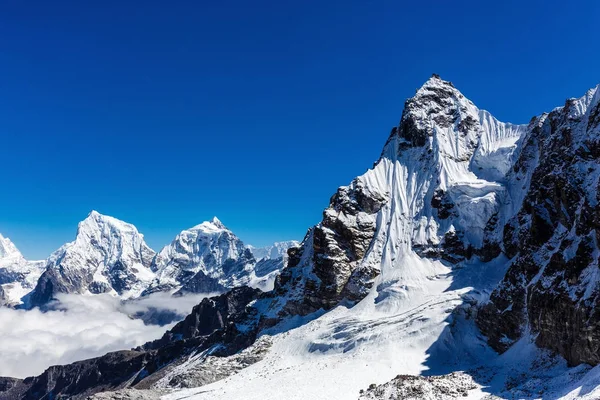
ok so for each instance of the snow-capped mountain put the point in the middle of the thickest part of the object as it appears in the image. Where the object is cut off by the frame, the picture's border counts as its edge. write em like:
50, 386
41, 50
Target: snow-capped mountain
18, 276
274, 251
107, 256
211, 258
202, 259
271, 261
111, 256
465, 225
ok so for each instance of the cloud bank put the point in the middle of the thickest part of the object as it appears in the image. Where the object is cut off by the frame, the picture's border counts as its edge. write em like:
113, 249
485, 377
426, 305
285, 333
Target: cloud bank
80, 327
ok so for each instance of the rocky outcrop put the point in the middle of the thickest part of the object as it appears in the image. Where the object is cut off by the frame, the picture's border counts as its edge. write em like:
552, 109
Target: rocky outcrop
326, 268
206, 368
408, 387
552, 287
211, 315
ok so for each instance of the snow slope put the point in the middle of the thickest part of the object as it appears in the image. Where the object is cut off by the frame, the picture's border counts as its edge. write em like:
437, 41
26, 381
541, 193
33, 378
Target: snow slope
347, 349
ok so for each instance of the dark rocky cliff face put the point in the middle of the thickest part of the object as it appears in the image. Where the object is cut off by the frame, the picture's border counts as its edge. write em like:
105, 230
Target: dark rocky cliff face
552, 286
326, 269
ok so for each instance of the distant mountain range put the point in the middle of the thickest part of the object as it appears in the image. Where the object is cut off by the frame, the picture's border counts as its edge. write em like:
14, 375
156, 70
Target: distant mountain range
111, 256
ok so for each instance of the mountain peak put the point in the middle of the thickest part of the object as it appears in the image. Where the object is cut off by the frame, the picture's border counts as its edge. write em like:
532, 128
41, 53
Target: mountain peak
435, 81
436, 109
94, 214
216, 222
214, 225
96, 221
435, 85
107, 256
7, 248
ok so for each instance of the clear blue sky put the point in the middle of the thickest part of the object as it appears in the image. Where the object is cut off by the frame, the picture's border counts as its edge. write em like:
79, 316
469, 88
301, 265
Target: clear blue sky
164, 114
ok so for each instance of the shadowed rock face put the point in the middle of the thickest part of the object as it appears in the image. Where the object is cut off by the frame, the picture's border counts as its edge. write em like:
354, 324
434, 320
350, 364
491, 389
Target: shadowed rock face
552, 286
201, 283
325, 269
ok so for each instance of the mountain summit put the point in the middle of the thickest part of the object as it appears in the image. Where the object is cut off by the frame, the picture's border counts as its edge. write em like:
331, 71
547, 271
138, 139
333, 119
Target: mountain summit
107, 256
205, 258
8, 249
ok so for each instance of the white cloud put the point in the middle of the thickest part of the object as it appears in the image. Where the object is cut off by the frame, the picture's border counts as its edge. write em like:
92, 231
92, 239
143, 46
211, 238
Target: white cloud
164, 301
81, 327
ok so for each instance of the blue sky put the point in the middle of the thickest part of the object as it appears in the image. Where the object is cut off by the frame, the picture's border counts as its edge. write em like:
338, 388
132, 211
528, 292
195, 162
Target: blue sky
164, 114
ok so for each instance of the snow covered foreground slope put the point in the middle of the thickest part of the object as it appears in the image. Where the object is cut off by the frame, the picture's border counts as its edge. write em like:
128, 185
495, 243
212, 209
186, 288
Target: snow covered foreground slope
390, 282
